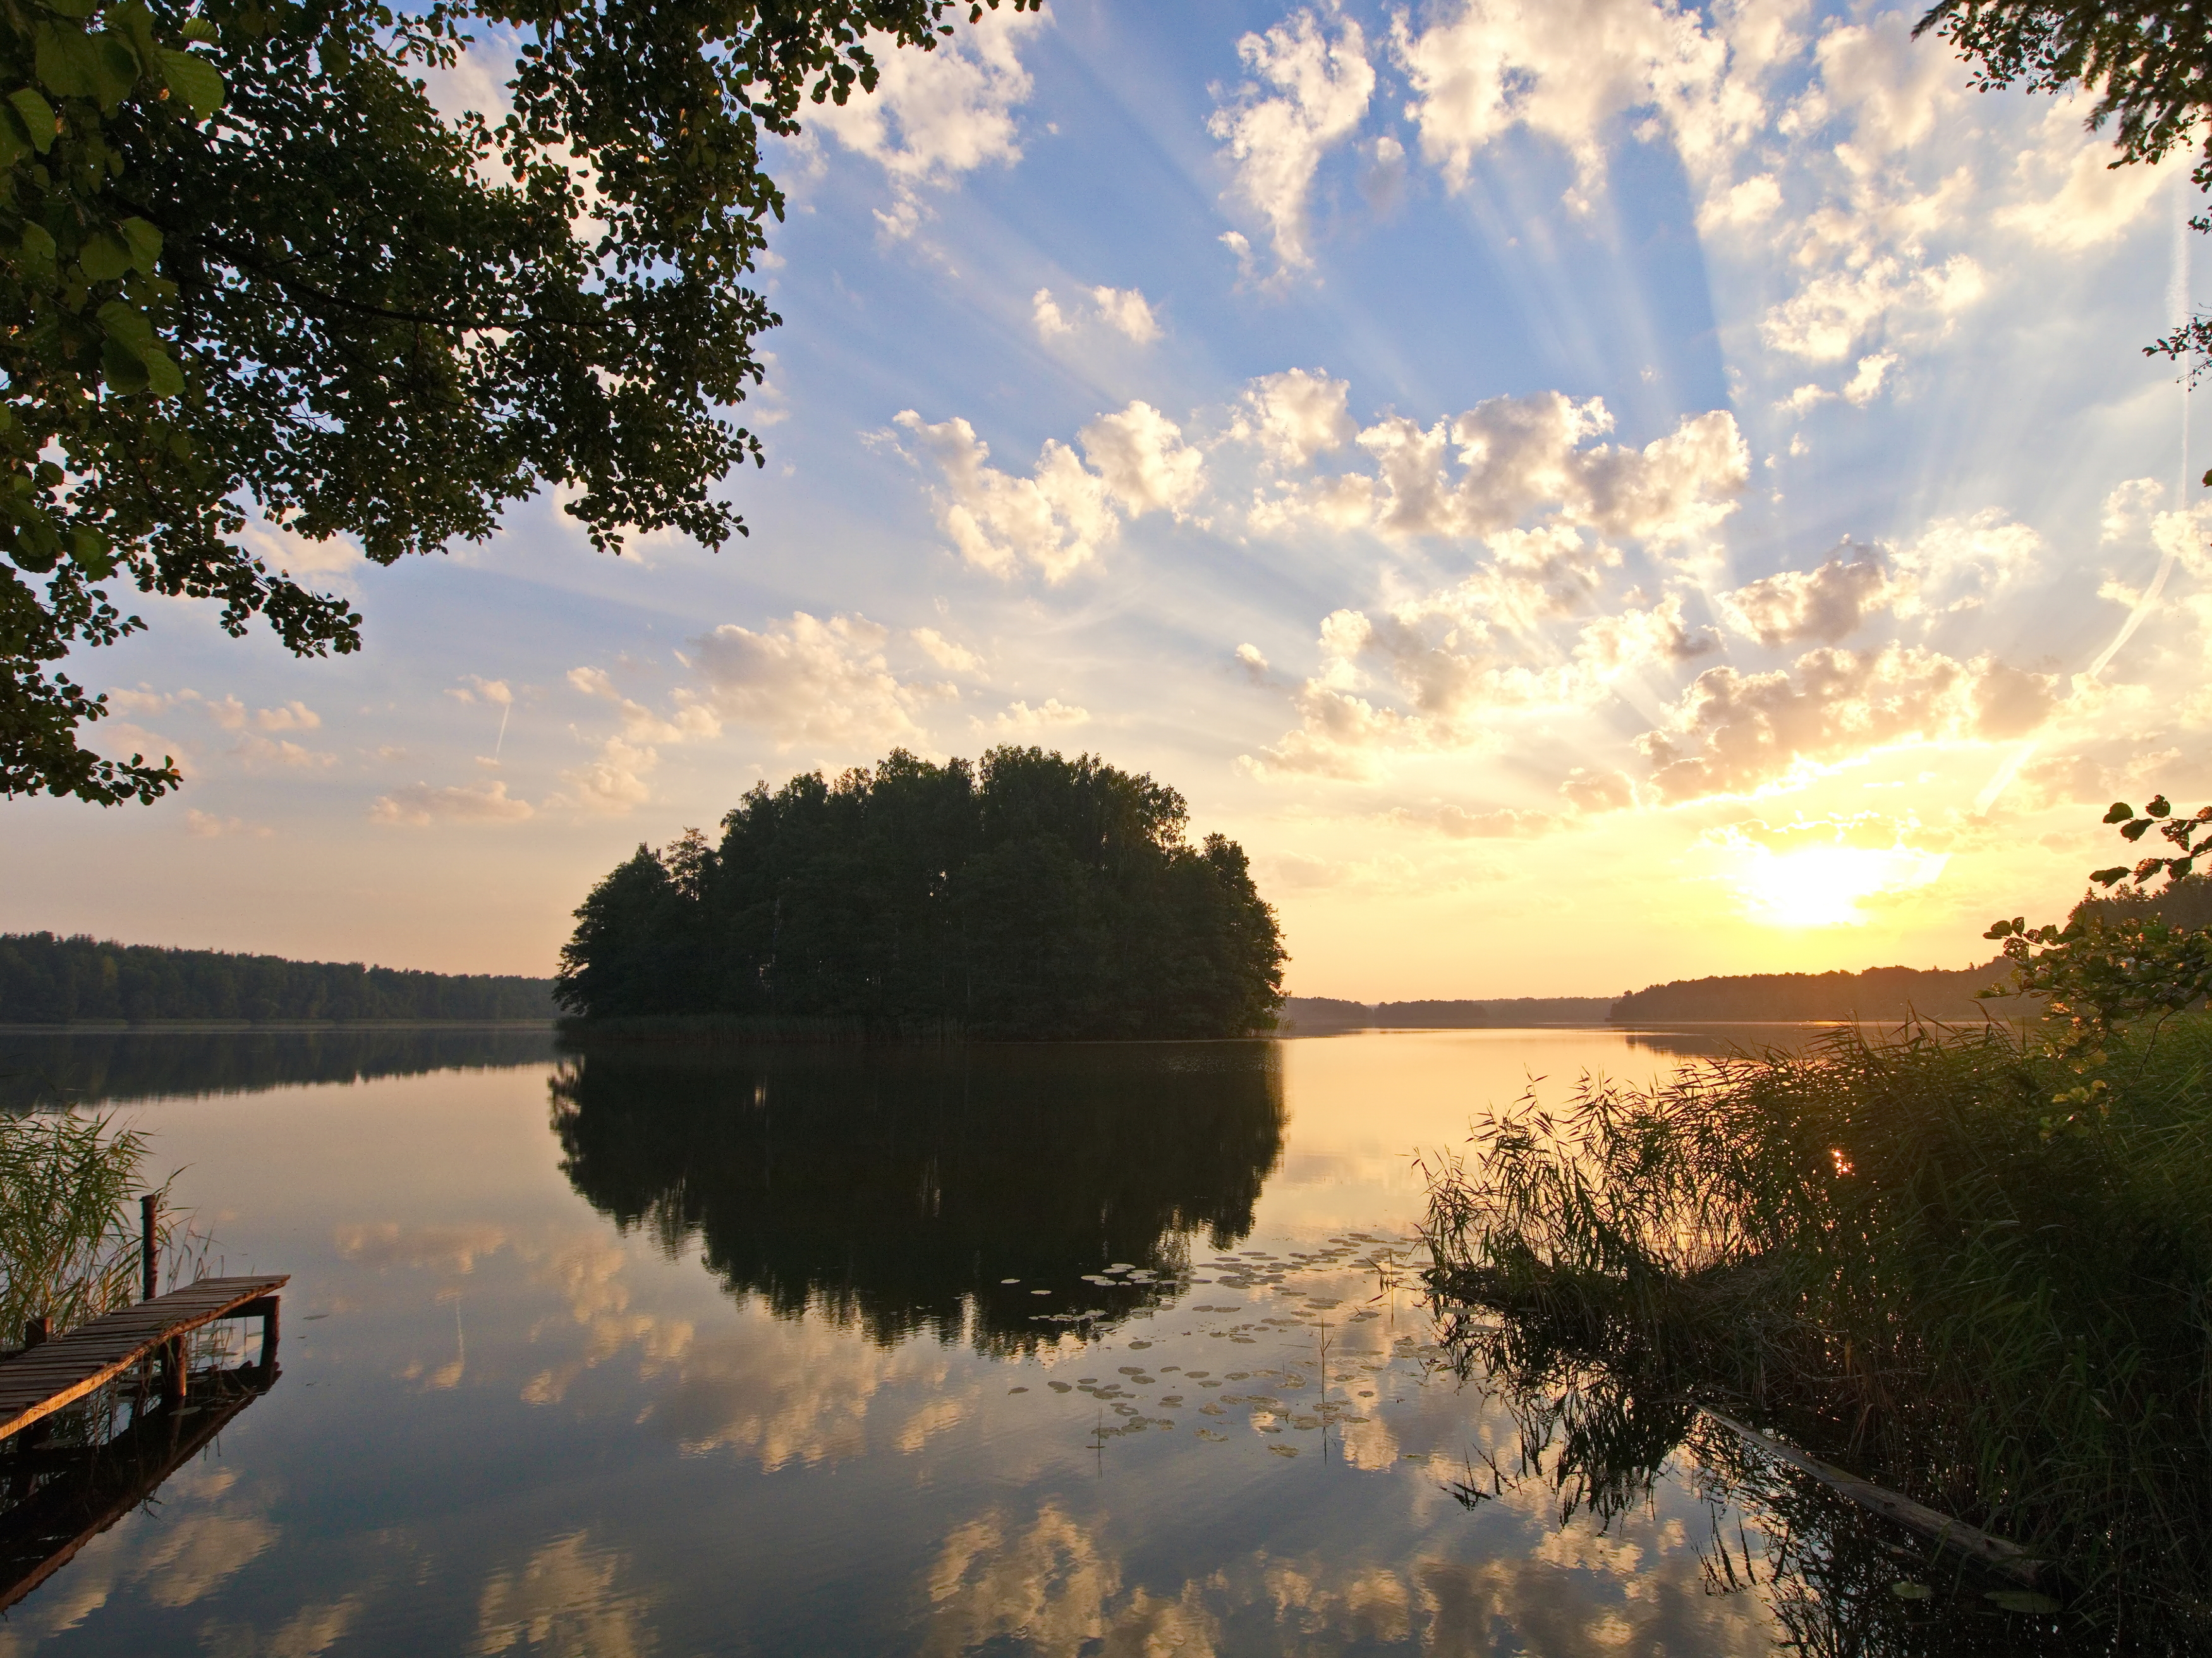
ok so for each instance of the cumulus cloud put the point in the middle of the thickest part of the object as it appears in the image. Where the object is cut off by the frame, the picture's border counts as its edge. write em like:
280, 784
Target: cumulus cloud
1055, 520
952, 657
1292, 416
2077, 198
420, 804
806, 680
1311, 94
936, 115
1731, 732
1589, 793
256, 751
1146, 466
1827, 605
1254, 664
1825, 318
1126, 311
613, 780
1019, 720
474, 687
1488, 469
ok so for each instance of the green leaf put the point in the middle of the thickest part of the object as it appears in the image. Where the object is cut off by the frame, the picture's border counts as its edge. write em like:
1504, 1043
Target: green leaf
2021, 1600
2158, 807
115, 69
163, 378
2118, 812
104, 256
199, 29
71, 8
2105, 877
195, 81
65, 60
126, 325
37, 246
92, 551
123, 369
38, 117
145, 244
1907, 1590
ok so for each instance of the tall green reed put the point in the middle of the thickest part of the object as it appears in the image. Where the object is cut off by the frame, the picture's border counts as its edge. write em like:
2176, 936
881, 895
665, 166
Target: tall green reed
1895, 1251
69, 1241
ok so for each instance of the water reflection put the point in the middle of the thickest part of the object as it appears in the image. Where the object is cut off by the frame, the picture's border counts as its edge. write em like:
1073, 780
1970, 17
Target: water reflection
976, 1194
98, 1066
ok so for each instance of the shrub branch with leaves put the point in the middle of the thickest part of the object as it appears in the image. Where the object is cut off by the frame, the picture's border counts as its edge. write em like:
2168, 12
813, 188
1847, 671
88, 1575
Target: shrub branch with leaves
2105, 970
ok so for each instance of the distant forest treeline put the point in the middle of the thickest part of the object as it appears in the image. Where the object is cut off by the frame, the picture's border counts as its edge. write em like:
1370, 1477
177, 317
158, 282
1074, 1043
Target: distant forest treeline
1309, 1016
1028, 895
1881, 994
48, 980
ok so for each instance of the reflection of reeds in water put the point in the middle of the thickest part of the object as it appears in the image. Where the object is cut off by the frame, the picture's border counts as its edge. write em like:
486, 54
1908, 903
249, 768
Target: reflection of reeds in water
1902, 1255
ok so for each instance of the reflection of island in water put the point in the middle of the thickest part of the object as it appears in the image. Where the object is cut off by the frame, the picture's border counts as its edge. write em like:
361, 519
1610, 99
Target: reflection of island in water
899, 1189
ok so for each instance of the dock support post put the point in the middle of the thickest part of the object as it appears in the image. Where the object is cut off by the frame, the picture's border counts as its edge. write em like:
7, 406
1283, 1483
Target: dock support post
147, 1267
268, 1339
36, 1331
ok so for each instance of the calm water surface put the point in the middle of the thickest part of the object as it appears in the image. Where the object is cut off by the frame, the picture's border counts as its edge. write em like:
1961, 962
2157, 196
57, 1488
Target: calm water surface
1080, 1350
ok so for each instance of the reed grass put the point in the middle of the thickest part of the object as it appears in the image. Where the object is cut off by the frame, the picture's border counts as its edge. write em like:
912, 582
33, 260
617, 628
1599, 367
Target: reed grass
1903, 1254
70, 1241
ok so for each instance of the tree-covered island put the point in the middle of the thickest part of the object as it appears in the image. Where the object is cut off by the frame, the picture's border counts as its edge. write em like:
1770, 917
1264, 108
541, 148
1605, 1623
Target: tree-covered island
1023, 896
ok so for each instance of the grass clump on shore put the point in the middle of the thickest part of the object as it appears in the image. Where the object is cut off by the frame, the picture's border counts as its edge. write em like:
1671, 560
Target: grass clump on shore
1900, 1253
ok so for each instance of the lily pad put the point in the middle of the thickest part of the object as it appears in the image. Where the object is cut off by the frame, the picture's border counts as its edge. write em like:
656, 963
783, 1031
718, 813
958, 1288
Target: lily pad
2023, 1601
1905, 1589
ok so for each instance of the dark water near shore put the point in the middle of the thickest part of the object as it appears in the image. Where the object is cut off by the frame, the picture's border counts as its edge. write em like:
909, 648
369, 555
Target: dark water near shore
1100, 1350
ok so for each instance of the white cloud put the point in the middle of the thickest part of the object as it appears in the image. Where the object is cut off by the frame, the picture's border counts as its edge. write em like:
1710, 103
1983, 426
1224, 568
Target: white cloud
1895, 87
256, 752
293, 554
613, 782
1124, 310
474, 687
1740, 206
952, 657
1590, 793
1865, 386
690, 719
1055, 521
936, 115
1488, 469
1731, 733
1831, 313
1827, 605
1146, 466
1295, 415
807, 680
1020, 719
1276, 138
2080, 199
419, 804
206, 826
1254, 662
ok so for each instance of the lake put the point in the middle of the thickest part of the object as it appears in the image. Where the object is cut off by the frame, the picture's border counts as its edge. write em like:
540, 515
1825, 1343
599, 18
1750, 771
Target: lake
1102, 1350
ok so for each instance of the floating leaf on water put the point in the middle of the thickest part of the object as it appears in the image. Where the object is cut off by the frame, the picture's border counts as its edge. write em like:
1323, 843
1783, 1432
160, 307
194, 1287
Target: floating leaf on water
2024, 1600
1284, 1450
1009, 1280
1060, 1386
1122, 1267
1905, 1589
1018, 1390
1139, 1346
1040, 1292
1416, 1456
1208, 1433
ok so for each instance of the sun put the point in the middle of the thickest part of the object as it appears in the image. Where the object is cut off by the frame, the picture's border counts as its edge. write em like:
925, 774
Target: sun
1824, 885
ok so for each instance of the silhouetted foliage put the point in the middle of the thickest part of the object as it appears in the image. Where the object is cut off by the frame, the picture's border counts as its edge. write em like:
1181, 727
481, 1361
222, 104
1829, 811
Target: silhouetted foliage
1031, 896
48, 980
895, 1188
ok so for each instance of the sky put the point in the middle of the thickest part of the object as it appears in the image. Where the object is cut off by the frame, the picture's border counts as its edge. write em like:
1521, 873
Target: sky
1587, 493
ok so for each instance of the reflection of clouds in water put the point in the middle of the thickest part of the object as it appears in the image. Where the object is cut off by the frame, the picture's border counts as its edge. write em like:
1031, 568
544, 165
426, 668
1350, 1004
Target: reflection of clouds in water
785, 1390
446, 1248
564, 1601
308, 1633
193, 1553
1369, 1444
1051, 1588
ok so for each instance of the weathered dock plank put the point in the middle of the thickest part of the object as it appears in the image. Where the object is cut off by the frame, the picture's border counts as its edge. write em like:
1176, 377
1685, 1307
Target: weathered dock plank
42, 1379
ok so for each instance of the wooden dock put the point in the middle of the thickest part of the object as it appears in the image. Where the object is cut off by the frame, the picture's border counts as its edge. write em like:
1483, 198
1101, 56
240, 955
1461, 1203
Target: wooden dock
41, 1380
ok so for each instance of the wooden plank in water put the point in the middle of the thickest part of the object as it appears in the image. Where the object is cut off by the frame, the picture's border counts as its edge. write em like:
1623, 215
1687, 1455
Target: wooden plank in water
42, 1379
